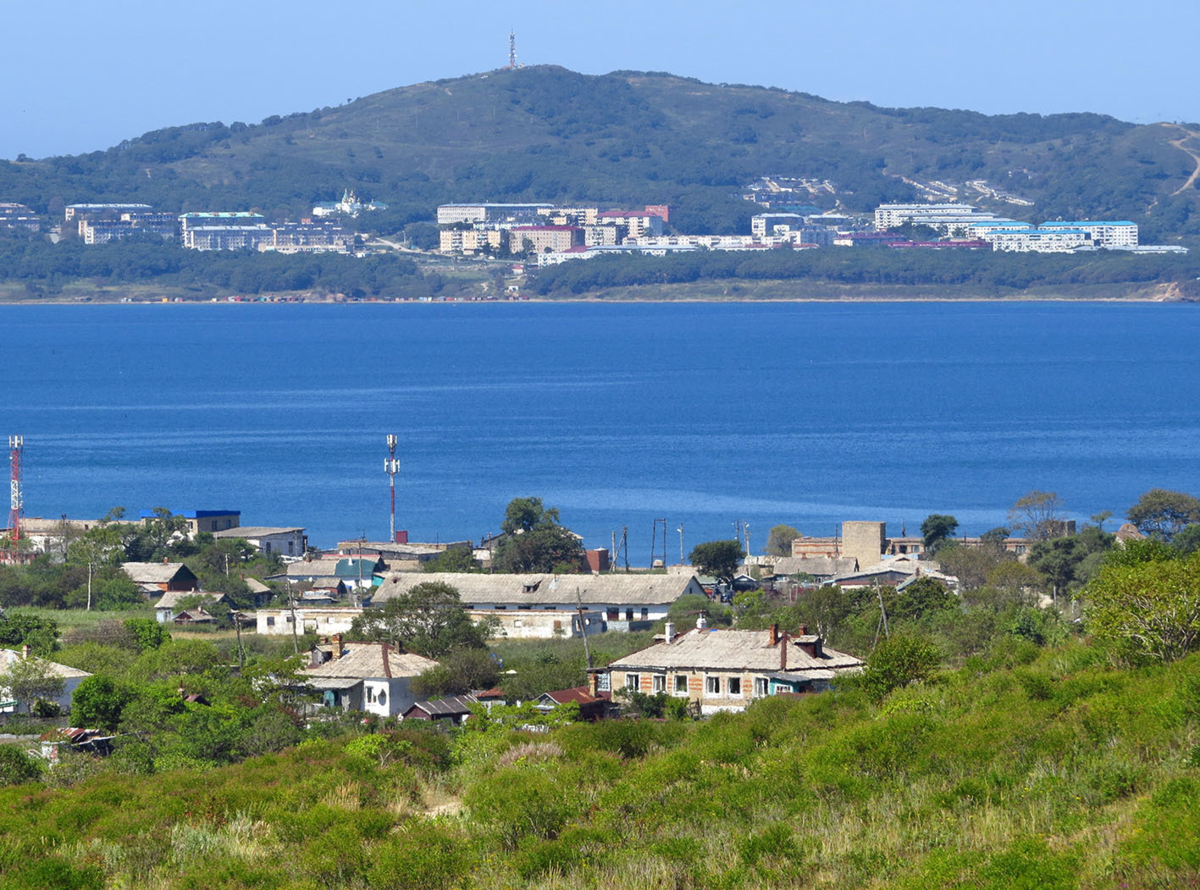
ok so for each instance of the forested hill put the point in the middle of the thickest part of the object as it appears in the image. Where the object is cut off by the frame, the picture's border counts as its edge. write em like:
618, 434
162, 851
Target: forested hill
631, 138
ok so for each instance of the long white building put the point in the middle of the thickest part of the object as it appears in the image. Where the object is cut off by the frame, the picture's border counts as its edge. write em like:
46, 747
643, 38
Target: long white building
1104, 233
889, 216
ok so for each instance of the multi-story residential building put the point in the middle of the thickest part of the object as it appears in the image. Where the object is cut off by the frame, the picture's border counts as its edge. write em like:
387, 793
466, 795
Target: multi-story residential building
307, 236
890, 216
636, 223
454, 214
763, 225
470, 241
541, 239
1038, 241
1104, 233
226, 230
93, 211
101, 229
18, 216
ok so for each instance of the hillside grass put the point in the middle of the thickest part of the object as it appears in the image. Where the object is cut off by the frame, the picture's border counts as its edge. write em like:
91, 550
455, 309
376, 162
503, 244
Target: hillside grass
1026, 769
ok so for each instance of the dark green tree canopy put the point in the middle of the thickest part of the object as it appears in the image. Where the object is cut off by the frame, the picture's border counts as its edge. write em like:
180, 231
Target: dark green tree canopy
1164, 513
936, 528
535, 542
526, 514
427, 619
717, 558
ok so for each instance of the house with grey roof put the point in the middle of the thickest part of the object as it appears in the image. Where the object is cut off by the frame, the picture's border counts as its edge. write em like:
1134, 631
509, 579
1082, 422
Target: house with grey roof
161, 577
289, 541
453, 709
720, 669
542, 605
370, 677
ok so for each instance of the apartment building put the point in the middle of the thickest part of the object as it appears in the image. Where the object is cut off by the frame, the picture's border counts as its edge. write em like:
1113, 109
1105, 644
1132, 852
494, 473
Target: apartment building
18, 216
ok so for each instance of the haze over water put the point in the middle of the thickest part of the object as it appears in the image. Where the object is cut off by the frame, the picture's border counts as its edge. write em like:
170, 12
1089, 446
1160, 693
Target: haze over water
805, 413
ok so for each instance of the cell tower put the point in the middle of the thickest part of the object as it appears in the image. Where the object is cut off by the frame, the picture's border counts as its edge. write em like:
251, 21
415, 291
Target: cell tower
391, 466
16, 445
512, 49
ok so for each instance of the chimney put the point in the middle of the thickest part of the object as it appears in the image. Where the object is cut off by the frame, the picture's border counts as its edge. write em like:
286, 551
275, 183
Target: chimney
337, 651
165, 560
783, 644
701, 622
669, 631
25, 652
803, 630
774, 635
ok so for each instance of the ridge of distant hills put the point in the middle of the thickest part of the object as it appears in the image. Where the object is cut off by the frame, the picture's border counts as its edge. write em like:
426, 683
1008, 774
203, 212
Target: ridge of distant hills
629, 139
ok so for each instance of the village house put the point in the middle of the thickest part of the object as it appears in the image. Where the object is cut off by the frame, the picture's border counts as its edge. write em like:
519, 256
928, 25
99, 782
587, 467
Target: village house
280, 541
168, 608
546, 605
358, 573
70, 676
161, 577
369, 677
591, 707
400, 555
725, 670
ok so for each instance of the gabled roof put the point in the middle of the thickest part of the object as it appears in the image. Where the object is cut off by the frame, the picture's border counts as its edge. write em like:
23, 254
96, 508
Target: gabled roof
171, 598
369, 661
735, 650
257, 586
154, 572
577, 694
450, 706
9, 657
256, 531
534, 589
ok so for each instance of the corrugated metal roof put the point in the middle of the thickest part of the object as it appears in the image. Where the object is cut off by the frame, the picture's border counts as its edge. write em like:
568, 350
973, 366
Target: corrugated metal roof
450, 706
153, 572
9, 657
171, 598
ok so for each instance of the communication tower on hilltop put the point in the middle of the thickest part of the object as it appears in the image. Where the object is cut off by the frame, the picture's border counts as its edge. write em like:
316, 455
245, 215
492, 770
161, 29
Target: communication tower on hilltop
512, 49
391, 466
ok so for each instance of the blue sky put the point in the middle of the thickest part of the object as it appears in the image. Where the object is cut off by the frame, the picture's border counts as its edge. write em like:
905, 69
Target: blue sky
82, 76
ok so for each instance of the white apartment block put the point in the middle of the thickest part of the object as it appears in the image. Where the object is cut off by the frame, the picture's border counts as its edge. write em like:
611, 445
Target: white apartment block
1104, 233
889, 216
1059, 241
453, 214
469, 241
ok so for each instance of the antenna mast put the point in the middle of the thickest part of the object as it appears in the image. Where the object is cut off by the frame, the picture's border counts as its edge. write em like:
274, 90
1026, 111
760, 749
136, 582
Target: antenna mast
391, 466
512, 48
16, 445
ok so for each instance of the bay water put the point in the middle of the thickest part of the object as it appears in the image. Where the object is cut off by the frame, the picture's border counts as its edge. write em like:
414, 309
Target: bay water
701, 414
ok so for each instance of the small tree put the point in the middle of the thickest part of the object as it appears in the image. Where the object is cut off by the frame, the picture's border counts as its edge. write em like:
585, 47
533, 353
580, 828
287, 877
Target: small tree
717, 558
30, 680
779, 540
98, 547
898, 661
427, 619
98, 702
17, 767
1038, 515
936, 528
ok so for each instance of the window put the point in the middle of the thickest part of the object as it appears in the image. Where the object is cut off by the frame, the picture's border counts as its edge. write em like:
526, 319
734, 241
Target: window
629, 614
382, 697
516, 622
658, 683
712, 685
761, 687
633, 681
681, 684
370, 694
735, 685
603, 683
270, 622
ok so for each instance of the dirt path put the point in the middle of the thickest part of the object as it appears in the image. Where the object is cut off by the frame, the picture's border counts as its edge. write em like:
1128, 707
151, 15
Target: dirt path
1194, 155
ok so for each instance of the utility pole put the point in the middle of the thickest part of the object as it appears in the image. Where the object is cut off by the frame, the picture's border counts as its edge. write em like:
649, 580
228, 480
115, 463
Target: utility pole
391, 466
680, 530
292, 603
583, 628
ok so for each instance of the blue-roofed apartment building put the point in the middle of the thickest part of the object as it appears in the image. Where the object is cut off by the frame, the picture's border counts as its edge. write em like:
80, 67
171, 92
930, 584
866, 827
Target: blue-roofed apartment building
203, 520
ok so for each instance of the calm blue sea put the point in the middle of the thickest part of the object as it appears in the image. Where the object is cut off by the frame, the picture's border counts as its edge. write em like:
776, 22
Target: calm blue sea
700, 414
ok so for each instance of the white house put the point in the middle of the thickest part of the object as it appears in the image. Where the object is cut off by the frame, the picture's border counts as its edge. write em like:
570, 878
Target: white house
168, 607
370, 677
70, 676
725, 670
265, 539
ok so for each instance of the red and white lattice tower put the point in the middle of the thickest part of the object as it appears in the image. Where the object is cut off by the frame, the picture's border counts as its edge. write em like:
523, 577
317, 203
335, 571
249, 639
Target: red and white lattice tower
16, 445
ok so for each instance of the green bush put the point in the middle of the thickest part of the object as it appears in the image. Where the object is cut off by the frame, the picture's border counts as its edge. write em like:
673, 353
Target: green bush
17, 767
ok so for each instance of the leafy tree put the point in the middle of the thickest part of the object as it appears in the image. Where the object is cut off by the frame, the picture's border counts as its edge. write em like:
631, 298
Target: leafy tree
936, 528
994, 538
1149, 609
459, 672
427, 619
39, 634
453, 559
1188, 540
924, 596
720, 559
1038, 515
98, 702
547, 548
897, 661
779, 540
526, 514
99, 546
30, 680
1164, 513
151, 540
147, 633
